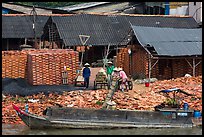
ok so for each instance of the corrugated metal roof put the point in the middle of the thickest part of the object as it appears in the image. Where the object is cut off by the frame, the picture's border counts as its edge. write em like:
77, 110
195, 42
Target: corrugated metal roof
110, 29
22, 26
163, 21
178, 48
25, 9
82, 6
171, 41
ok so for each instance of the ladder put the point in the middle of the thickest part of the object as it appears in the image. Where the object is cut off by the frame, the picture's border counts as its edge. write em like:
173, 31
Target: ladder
51, 33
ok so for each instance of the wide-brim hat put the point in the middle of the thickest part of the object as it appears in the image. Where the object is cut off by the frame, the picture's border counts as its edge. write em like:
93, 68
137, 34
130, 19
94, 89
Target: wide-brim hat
86, 64
119, 69
115, 69
109, 62
101, 70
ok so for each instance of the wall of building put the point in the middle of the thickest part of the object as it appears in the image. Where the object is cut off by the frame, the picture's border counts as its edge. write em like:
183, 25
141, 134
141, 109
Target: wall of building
139, 62
195, 10
11, 44
137, 65
178, 8
174, 68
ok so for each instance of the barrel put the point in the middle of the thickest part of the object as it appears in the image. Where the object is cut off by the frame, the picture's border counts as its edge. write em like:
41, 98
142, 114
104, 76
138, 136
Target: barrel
196, 114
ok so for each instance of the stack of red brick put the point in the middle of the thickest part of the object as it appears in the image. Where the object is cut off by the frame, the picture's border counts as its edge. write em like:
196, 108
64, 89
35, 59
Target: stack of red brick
14, 64
40, 67
46, 67
123, 60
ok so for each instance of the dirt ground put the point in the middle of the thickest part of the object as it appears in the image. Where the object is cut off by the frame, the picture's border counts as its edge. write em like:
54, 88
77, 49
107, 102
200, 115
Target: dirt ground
139, 98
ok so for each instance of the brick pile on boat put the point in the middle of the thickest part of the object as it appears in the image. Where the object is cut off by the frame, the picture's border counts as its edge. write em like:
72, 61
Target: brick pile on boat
144, 99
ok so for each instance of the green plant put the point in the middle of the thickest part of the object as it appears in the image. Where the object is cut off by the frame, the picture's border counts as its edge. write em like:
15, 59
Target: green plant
99, 102
171, 102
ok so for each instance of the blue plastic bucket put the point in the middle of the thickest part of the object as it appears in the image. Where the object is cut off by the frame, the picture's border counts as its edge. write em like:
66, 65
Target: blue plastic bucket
185, 106
196, 113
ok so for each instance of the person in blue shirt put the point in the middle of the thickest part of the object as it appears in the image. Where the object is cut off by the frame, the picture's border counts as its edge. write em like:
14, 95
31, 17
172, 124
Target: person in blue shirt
86, 74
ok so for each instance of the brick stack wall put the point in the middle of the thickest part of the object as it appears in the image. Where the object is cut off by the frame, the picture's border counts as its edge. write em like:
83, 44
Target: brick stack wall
140, 62
40, 67
122, 60
46, 67
14, 64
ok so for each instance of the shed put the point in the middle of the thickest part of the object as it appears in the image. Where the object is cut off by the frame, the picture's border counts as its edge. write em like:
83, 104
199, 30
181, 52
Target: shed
105, 29
18, 27
180, 49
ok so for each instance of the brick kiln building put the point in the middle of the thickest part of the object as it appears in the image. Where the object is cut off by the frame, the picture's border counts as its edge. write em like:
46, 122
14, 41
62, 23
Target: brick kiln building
164, 53
120, 32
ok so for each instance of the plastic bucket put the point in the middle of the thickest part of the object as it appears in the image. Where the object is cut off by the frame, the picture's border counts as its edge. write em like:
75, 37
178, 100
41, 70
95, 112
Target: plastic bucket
196, 113
146, 84
185, 106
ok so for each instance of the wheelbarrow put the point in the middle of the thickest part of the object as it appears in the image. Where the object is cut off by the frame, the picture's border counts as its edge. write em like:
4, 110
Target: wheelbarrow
128, 84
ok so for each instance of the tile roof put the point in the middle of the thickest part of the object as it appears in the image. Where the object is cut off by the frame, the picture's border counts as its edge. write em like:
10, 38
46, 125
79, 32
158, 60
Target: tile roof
111, 29
21, 26
104, 29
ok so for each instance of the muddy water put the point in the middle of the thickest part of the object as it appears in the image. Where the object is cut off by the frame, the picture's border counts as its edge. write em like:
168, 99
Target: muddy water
8, 129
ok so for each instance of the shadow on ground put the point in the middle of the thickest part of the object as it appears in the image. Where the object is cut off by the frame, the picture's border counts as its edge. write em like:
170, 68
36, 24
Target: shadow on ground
20, 87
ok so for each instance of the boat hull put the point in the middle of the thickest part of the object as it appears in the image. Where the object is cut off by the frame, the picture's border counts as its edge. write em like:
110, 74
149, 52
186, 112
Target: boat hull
100, 118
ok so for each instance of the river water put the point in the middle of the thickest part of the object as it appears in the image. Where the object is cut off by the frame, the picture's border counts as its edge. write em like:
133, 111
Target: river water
16, 129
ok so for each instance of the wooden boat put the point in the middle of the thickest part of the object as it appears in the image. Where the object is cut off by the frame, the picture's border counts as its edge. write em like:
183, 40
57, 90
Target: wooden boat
60, 117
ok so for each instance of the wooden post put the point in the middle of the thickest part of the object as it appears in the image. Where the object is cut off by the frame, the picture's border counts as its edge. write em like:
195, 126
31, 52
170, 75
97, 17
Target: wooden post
150, 68
110, 94
194, 67
7, 45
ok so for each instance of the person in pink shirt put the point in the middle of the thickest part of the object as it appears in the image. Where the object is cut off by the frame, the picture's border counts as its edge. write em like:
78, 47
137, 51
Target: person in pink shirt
122, 74
115, 73
124, 77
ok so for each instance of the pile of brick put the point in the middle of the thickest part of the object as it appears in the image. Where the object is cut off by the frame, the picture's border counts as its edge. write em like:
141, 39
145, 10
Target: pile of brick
14, 64
123, 60
40, 67
137, 99
46, 67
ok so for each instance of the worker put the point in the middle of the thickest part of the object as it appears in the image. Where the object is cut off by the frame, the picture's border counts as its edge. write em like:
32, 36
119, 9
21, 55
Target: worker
86, 74
109, 71
115, 73
123, 78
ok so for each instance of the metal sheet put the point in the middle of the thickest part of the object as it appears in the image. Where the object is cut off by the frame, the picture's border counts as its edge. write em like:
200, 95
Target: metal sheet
171, 41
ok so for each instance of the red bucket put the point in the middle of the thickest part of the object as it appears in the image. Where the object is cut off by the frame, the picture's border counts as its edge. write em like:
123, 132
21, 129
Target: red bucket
146, 84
